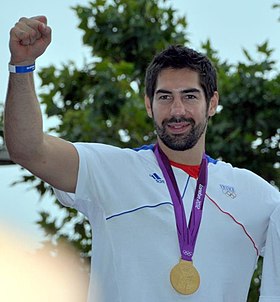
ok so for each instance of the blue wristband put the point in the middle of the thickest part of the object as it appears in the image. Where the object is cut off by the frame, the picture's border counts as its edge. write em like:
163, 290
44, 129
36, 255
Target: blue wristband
21, 69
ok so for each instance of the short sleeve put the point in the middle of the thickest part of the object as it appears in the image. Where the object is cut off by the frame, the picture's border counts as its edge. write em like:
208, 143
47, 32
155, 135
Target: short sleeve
80, 199
270, 286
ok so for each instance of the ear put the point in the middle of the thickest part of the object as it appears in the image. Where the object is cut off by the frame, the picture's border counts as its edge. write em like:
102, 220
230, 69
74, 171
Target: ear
214, 102
148, 106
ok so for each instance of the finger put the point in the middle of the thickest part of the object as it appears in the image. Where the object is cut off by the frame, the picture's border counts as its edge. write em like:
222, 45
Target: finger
33, 23
39, 24
25, 34
27, 31
42, 19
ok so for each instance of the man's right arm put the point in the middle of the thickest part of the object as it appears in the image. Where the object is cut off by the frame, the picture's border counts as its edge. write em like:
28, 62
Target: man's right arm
50, 158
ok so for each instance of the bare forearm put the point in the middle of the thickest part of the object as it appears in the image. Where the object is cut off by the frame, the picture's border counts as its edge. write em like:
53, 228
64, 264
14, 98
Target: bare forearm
50, 158
23, 118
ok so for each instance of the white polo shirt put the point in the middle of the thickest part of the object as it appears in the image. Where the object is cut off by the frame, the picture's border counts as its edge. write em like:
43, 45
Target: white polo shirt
135, 245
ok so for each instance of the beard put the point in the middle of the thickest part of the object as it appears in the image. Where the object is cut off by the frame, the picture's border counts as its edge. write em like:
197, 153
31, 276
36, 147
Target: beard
184, 141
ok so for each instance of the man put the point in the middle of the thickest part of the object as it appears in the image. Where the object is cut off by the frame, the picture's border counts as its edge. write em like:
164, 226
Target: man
170, 223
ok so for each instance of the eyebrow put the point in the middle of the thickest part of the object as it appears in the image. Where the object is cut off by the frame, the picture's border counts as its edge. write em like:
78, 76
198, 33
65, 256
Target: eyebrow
191, 90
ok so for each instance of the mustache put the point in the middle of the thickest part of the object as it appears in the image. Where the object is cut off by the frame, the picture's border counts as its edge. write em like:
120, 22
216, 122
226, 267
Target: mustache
178, 120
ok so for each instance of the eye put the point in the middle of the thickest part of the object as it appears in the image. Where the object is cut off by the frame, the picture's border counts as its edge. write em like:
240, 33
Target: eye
164, 97
190, 97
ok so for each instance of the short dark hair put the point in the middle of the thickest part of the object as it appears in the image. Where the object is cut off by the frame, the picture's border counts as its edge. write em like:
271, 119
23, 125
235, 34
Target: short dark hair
178, 57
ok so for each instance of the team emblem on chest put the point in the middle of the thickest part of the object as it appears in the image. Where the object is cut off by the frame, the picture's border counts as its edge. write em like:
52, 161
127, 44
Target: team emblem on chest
228, 191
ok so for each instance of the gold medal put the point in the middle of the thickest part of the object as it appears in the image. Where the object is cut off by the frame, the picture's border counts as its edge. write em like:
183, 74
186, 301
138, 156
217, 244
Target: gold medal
184, 277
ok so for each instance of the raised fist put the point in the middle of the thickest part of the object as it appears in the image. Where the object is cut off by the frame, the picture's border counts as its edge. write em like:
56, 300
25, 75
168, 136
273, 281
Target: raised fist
29, 38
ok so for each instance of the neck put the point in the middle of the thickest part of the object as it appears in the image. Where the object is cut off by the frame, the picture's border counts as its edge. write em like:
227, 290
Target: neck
188, 157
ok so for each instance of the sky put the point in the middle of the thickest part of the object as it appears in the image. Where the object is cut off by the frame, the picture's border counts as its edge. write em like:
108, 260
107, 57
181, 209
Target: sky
230, 26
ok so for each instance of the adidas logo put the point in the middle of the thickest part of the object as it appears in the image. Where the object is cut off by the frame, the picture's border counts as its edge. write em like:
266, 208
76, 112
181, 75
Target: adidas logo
156, 177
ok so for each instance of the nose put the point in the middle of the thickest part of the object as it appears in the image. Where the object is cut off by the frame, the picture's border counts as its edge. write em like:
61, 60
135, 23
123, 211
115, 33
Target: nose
177, 107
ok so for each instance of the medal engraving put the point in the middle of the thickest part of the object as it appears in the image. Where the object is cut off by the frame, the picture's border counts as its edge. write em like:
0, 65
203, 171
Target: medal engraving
185, 278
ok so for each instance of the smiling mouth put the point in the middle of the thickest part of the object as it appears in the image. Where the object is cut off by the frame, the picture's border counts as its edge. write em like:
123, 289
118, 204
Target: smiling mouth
178, 128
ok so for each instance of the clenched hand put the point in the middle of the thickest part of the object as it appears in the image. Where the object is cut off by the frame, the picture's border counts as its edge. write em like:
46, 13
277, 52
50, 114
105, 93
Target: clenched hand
29, 38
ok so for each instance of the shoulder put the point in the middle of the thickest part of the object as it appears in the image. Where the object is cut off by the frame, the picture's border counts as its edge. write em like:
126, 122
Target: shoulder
92, 147
228, 170
247, 181
95, 151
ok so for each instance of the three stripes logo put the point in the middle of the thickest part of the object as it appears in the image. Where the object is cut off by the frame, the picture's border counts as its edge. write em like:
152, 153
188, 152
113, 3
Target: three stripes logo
157, 178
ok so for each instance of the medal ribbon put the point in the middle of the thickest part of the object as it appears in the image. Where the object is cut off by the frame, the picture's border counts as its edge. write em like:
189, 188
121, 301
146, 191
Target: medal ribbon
187, 234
